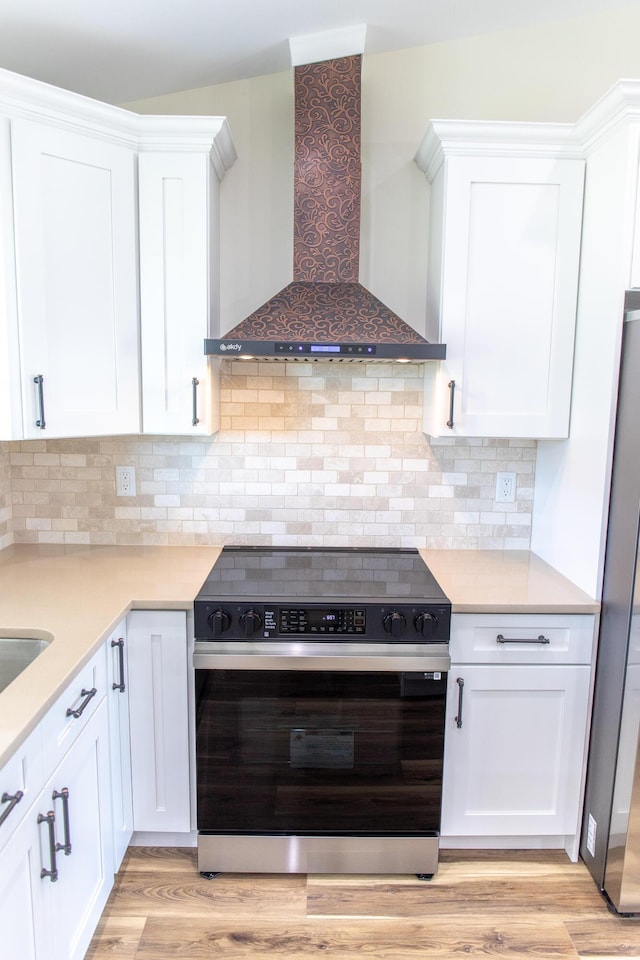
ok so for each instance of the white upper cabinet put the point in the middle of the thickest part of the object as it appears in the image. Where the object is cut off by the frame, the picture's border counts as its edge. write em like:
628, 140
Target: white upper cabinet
504, 252
108, 245
179, 288
75, 244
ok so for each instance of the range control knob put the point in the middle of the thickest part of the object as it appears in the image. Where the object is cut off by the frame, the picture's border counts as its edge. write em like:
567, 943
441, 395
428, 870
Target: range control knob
394, 623
219, 621
250, 622
426, 625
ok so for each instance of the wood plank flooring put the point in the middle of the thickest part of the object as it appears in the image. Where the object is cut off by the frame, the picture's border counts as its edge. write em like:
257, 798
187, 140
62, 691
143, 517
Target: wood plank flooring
532, 904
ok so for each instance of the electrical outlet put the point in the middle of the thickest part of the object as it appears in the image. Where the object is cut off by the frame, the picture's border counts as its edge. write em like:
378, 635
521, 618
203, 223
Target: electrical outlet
125, 481
505, 487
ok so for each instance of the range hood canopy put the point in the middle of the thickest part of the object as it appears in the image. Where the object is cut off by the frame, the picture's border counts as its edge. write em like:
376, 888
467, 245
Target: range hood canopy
325, 313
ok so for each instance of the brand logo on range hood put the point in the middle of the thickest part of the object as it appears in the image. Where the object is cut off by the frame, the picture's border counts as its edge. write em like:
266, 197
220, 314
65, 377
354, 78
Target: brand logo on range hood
230, 347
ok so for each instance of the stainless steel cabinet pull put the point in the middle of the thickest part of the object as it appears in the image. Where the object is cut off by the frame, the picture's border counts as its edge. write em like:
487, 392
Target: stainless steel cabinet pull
540, 639
120, 645
458, 719
452, 392
12, 800
50, 820
194, 386
64, 796
87, 694
39, 380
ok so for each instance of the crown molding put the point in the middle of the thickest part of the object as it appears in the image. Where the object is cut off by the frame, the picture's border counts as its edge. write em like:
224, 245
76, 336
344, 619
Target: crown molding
490, 138
24, 98
186, 134
620, 105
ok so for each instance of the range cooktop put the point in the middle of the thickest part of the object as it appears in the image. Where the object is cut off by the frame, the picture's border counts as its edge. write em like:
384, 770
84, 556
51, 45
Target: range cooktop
315, 573
323, 592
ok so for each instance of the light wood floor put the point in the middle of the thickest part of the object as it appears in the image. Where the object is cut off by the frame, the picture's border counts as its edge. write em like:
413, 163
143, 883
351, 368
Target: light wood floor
480, 904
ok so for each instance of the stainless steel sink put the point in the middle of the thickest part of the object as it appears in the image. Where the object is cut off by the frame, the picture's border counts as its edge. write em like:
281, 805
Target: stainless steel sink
16, 653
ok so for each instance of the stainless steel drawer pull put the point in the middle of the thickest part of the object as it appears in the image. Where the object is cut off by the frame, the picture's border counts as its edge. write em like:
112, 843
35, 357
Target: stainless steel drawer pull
64, 796
120, 645
194, 386
39, 381
12, 800
87, 694
458, 719
540, 639
50, 820
452, 391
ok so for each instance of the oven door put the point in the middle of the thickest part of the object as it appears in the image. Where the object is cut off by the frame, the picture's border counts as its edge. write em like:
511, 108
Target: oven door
318, 753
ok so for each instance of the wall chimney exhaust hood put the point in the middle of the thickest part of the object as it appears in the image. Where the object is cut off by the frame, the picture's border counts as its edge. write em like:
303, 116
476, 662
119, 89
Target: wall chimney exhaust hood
325, 313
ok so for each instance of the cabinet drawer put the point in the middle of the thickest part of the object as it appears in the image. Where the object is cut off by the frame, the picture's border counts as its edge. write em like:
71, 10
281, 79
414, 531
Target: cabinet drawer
73, 709
521, 638
22, 774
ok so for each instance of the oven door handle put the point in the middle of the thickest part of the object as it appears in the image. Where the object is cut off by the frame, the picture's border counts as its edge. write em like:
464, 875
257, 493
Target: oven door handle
229, 656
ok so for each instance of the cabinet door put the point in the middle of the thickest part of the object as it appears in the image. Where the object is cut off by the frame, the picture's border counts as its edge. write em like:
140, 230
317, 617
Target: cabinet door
159, 718
75, 241
514, 765
178, 198
24, 918
10, 396
505, 246
85, 868
119, 742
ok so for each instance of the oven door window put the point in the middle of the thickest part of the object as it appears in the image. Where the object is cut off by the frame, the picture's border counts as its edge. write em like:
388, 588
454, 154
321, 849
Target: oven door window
319, 753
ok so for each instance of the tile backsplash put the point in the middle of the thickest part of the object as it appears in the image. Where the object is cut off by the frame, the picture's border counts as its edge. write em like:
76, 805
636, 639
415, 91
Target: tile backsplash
320, 454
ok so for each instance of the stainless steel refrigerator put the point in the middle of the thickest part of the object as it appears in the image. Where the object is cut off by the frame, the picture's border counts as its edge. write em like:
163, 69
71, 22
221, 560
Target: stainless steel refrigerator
610, 841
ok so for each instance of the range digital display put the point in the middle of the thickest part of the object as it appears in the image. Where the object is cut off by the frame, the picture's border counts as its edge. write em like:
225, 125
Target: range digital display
321, 620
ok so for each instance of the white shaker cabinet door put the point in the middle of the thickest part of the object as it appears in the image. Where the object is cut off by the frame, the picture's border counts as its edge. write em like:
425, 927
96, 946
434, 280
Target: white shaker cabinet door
159, 718
85, 874
24, 917
503, 281
178, 196
119, 741
514, 748
76, 266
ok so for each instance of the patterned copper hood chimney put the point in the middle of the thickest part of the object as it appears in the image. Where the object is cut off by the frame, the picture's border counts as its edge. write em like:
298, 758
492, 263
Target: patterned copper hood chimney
325, 313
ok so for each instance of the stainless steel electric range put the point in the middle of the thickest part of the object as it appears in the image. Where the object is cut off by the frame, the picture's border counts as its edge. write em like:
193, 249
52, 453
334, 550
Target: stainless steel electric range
321, 679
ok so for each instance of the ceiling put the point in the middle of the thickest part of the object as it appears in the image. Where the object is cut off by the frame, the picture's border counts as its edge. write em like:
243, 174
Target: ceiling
123, 50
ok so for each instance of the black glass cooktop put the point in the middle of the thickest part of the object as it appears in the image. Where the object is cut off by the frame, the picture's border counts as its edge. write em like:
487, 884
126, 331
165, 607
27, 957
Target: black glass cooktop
377, 575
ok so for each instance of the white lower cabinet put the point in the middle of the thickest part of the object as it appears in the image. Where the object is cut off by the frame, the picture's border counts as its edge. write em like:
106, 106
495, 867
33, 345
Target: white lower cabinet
57, 859
514, 763
72, 801
22, 903
26, 933
159, 720
516, 728
85, 872
119, 741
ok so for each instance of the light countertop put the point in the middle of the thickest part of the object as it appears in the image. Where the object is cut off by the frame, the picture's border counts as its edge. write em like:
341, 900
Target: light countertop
505, 581
78, 594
